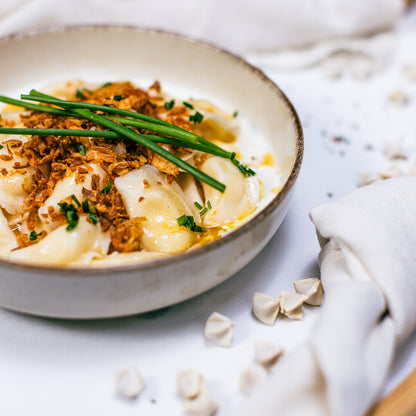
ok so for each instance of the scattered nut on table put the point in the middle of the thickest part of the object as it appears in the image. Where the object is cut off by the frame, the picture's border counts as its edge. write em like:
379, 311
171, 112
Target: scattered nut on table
189, 383
202, 404
311, 288
267, 353
219, 329
251, 378
291, 304
265, 308
129, 382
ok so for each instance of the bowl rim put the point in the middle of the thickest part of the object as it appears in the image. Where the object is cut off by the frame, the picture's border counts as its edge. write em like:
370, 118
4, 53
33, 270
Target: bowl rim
212, 245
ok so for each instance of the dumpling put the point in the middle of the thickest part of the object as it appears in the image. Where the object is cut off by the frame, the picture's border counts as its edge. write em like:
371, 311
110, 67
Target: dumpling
62, 247
14, 183
7, 239
241, 194
189, 187
65, 188
147, 193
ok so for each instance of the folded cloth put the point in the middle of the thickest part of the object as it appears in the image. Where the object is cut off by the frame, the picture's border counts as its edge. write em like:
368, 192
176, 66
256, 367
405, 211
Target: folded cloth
241, 26
368, 264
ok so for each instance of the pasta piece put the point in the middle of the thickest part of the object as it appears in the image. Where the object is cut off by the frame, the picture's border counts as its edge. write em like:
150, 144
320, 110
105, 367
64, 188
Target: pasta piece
190, 188
62, 247
267, 353
14, 183
291, 304
146, 193
121, 259
219, 329
240, 198
189, 383
265, 308
7, 239
251, 378
312, 289
216, 124
65, 188
129, 382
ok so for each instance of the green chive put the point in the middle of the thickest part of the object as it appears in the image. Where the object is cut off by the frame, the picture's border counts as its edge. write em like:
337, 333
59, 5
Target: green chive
189, 222
81, 149
186, 104
117, 98
106, 189
94, 219
196, 118
169, 104
198, 205
106, 84
33, 236
142, 139
76, 200
80, 95
1, 146
235, 114
209, 204
71, 215
203, 212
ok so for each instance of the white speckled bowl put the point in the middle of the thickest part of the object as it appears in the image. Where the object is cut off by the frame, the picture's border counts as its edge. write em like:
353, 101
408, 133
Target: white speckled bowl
102, 53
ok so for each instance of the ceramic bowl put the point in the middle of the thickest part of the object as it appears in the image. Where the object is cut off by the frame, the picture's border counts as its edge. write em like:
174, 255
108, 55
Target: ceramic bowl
102, 53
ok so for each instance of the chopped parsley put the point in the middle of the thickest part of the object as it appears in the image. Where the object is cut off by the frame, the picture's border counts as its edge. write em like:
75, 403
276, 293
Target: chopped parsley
169, 104
186, 104
70, 213
196, 118
189, 222
246, 171
117, 98
33, 236
81, 149
106, 189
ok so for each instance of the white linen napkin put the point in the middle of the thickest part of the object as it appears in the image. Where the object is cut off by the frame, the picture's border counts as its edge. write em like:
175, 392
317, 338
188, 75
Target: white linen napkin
368, 264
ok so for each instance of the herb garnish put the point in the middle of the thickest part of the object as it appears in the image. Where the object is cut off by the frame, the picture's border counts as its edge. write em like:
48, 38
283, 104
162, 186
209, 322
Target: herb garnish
186, 104
196, 118
235, 114
189, 222
106, 84
90, 210
79, 94
106, 189
243, 168
33, 236
202, 210
1, 146
81, 149
117, 98
76, 200
169, 104
70, 213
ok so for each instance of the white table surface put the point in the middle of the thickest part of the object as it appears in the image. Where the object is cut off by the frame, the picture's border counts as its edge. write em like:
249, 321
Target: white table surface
51, 367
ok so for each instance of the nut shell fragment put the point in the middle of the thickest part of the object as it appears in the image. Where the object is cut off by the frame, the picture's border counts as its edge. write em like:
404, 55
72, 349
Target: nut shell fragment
265, 308
201, 405
251, 378
219, 329
312, 289
267, 353
129, 382
291, 304
190, 383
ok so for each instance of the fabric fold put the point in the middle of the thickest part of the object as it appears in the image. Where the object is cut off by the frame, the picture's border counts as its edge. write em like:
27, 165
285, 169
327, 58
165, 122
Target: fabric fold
367, 262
